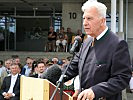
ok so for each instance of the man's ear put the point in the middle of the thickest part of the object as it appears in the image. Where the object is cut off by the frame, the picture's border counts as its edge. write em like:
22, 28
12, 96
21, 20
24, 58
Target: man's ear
103, 21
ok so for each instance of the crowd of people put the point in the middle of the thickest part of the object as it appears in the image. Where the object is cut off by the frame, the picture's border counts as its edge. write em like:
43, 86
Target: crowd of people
35, 68
62, 41
103, 62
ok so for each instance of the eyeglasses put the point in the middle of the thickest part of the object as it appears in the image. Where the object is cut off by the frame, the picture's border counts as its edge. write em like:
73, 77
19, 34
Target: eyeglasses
63, 62
8, 63
29, 63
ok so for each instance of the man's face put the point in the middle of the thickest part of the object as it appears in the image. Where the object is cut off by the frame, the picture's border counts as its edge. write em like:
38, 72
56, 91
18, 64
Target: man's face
8, 64
29, 62
17, 61
92, 22
68, 30
45, 60
41, 67
14, 69
61, 30
51, 29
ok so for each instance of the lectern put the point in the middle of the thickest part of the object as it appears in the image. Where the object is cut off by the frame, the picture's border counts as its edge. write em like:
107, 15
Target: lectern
39, 89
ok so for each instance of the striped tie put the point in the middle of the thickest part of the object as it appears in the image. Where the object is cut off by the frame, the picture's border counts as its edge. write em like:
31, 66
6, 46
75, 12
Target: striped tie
93, 42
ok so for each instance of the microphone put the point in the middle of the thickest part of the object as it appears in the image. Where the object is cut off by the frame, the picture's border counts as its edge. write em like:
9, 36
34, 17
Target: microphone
53, 73
75, 44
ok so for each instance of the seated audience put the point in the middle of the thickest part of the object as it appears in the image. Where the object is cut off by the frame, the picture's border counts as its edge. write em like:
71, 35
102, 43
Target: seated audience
51, 39
28, 66
70, 34
45, 60
34, 69
3, 72
82, 37
2, 68
16, 59
55, 60
41, 68
61, 40
8, 63
49, 63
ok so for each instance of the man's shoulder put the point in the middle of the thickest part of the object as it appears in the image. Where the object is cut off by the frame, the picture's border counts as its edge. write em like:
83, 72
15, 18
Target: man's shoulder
34, 75
7, 77
114, 37
25, 66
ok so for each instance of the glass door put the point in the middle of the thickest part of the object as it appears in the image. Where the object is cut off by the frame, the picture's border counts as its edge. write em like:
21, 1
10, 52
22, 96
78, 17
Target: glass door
8, 30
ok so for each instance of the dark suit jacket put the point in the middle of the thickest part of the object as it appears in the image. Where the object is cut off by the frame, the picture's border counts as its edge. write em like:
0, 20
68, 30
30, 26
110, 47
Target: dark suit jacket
6, 85
105, 67
34, 75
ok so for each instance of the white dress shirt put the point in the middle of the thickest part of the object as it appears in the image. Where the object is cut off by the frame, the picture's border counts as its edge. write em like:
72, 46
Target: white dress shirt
102, 34
2, 69
28, 70
13, 81
76, 83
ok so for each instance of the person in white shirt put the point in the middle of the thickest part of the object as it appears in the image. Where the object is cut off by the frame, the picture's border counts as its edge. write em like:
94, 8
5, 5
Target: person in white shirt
1, 67
28, 66
76, 86
131, 83
10, 89
3, 72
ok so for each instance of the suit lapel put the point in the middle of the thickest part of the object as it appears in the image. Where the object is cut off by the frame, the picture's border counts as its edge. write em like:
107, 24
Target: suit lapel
85, 51
9, 80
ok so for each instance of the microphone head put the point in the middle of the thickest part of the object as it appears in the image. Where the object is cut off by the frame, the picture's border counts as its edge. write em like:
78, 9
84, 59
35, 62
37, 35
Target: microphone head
53, 73
78, 38
77, 42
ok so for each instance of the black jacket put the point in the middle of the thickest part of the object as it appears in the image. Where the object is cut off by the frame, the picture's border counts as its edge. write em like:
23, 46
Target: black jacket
6, 85
106, 67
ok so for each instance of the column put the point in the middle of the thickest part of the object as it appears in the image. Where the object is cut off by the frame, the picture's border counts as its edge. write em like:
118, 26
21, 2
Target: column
120, 15
113, 16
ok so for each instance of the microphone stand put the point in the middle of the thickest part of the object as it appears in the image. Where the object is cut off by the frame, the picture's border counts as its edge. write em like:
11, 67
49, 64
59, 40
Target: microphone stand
60, 82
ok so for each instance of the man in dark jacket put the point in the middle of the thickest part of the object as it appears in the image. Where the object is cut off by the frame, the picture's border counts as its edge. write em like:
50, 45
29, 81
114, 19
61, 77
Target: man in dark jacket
10, 89
103, 62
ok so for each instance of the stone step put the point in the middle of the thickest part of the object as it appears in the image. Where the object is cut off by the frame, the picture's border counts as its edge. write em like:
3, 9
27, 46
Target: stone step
36, 55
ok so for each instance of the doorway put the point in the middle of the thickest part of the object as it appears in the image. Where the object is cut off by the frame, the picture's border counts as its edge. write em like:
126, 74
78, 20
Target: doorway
8, 33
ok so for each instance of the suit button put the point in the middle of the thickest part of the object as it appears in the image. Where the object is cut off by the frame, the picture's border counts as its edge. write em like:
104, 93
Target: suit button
82, 89
98, 66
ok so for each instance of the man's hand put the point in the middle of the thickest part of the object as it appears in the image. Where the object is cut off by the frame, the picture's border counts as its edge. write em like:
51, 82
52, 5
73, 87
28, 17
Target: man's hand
5, 94
8, 95
87, 94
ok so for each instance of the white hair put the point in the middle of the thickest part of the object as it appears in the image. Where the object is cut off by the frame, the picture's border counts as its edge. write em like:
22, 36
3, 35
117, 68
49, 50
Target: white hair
99, 6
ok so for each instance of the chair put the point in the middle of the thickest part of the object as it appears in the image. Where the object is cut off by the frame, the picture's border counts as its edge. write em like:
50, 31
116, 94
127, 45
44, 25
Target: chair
60, 48
49, 46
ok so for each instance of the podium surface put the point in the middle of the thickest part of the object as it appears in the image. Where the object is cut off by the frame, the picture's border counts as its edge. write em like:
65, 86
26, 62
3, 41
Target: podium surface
39, 89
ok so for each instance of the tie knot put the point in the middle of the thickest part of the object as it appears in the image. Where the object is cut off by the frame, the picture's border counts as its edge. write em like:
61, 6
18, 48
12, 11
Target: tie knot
93, 42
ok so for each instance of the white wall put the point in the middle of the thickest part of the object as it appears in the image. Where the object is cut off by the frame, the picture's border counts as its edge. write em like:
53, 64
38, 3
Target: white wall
130, 29
73, 8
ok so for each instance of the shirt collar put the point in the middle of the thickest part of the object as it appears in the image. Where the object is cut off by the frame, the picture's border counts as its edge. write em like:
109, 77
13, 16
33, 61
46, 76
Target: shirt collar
15, 76
102, 34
